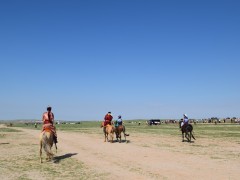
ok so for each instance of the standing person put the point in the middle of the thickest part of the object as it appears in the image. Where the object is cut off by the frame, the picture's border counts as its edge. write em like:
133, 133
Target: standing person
48, 122
108, 119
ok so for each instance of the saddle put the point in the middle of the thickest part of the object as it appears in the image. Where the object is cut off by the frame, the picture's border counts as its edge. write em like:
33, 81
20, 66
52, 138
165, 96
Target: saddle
185, 126
105, 124
47, 129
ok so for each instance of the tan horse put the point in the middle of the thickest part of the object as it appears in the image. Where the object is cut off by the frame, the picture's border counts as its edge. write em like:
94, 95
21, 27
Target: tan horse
108, 130
46, 142
119, 130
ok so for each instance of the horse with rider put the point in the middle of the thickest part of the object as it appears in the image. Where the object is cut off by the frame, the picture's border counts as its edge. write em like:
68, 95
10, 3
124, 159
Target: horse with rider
120, 128
109, 129
48, 136
186, 128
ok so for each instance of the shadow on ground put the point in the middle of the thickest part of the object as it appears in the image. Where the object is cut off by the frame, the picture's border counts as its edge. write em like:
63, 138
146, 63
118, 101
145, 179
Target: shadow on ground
57, 159
188, 141
123, 141
4, 143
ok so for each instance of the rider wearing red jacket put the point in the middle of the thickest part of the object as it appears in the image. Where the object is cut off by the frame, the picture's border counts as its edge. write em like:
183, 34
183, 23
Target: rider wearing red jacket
108, 119
48, 122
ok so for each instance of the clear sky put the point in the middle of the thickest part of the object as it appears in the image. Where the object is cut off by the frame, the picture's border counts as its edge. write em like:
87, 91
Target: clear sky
138, 58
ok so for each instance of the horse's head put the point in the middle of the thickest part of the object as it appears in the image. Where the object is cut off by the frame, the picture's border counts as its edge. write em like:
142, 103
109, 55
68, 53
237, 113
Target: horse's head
180, 122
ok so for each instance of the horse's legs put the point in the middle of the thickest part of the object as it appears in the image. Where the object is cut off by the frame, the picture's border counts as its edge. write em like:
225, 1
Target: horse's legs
56, 147
182, 136
111, 137
116, 135
190, 136
51, 155
125, 136
187, 136
120, 137
40, 151
105, 137
105, 134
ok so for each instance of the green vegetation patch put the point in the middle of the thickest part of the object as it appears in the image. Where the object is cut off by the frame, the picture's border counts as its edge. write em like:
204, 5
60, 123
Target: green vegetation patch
9, 130
200, 130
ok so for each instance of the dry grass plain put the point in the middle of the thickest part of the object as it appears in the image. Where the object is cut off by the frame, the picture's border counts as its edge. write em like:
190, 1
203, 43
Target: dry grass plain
152, 153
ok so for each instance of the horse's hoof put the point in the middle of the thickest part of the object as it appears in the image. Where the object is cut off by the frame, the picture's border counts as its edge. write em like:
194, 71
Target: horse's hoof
182, 140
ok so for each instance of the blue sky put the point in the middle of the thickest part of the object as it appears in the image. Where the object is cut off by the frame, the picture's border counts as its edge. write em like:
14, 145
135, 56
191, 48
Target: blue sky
138, 58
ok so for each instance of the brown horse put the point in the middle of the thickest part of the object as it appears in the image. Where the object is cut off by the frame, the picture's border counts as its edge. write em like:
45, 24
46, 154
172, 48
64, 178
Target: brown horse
118, 130
46, 142
108, 130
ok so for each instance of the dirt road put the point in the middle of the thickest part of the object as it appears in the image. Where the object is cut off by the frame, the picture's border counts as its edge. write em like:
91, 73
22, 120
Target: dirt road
150, 157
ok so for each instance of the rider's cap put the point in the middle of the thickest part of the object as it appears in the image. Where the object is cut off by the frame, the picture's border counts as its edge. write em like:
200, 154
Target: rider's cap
119, 116
185, 115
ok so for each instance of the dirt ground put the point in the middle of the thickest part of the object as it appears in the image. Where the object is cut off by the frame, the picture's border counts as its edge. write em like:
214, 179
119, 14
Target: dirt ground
87, 156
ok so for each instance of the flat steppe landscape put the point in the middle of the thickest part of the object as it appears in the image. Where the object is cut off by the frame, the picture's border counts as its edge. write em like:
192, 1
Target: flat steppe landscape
151, 152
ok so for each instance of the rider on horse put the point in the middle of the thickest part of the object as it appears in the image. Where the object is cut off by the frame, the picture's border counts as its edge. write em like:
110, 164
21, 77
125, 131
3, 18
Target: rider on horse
185, 121
118, 122
48, 123
108, 119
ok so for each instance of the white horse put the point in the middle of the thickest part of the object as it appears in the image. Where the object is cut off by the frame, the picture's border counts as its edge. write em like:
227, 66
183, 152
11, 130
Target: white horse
46, 142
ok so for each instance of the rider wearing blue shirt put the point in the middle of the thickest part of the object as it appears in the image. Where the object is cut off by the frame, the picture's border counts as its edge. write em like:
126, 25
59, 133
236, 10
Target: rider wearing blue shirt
185, 121
119, 121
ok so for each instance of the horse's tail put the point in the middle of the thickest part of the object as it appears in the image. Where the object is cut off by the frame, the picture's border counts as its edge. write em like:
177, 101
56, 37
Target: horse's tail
125, 134
189, 128
192, 131
46, 142
192, 135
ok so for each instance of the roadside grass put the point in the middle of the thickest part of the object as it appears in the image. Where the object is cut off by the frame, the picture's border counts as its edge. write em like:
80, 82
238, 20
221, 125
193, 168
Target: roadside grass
4, 131
226, 131
8, 130
20, 160
200, 130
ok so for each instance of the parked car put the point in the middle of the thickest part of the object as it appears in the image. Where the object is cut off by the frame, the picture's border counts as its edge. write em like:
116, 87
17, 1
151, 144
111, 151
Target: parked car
154, 122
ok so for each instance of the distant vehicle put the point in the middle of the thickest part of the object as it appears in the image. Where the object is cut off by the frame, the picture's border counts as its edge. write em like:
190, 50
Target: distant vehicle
154, 122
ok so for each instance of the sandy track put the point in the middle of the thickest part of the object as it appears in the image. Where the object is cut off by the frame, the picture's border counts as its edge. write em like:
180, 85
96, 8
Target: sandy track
148, 157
